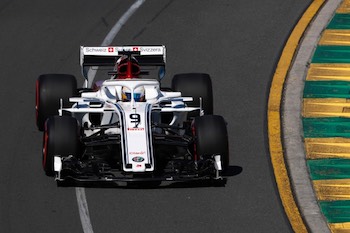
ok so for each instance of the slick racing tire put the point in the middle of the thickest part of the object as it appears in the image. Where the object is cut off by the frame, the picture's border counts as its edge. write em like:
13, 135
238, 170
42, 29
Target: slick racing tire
196, 85
211, 138
61, 138
50, 88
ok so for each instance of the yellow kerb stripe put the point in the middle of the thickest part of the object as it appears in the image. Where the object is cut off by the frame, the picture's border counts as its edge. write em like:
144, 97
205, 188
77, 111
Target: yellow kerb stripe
335, 37
326, 107
332, 190
331, 72
340, 227
327, 148
344, 8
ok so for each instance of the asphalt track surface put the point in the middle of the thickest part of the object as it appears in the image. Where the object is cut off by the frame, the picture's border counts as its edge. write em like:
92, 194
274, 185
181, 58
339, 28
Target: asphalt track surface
237, 42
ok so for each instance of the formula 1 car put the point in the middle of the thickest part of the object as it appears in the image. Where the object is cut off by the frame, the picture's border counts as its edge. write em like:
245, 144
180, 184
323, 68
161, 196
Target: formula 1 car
128, 128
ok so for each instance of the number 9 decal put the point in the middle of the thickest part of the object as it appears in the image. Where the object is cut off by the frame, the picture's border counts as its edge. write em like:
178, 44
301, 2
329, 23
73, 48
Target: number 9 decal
135, 118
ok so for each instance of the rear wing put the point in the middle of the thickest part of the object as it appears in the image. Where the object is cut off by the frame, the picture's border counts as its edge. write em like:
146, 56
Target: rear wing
108, 55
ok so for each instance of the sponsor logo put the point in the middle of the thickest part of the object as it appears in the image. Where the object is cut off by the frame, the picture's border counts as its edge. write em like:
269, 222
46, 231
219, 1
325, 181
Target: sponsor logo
151, 50
94, 50
136, 129
137, 153
135, 49
110, 50
138, 159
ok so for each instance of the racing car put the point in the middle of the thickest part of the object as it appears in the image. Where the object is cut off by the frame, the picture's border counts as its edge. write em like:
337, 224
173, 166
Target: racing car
127, 127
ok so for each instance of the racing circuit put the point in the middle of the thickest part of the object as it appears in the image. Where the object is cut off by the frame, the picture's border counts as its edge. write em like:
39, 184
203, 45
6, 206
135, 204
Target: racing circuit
239, 43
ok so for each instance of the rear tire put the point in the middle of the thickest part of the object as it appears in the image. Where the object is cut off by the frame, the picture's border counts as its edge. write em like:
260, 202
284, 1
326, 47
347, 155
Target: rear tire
61, 137
195, 85
50, 88
211, 137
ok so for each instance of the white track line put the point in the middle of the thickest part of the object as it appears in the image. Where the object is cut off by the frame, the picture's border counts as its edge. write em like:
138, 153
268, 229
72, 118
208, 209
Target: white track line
115, 30
83, 210
80, 192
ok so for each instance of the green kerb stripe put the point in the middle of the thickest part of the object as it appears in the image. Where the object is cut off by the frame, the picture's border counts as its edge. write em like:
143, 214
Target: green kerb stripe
336, 211
340, 21
331, 54
326, 127
325, 169
327, 89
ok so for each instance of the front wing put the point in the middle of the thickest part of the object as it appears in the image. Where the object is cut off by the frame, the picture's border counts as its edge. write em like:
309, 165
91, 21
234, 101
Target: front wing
72, 169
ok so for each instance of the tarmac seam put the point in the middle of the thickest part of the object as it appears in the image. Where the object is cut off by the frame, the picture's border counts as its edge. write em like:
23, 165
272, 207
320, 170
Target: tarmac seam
292, 130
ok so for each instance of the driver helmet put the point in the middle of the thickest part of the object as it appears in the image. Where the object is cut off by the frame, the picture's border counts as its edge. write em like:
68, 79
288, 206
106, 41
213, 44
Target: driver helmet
139, 94
127, 67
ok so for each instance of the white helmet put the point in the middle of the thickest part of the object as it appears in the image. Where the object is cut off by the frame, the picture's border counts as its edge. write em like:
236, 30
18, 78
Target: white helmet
139, 94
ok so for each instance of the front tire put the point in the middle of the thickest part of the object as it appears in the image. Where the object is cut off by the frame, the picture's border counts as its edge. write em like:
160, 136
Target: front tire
61, 138
211, 138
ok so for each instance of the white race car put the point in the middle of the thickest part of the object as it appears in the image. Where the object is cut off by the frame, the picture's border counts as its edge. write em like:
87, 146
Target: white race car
128, 128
